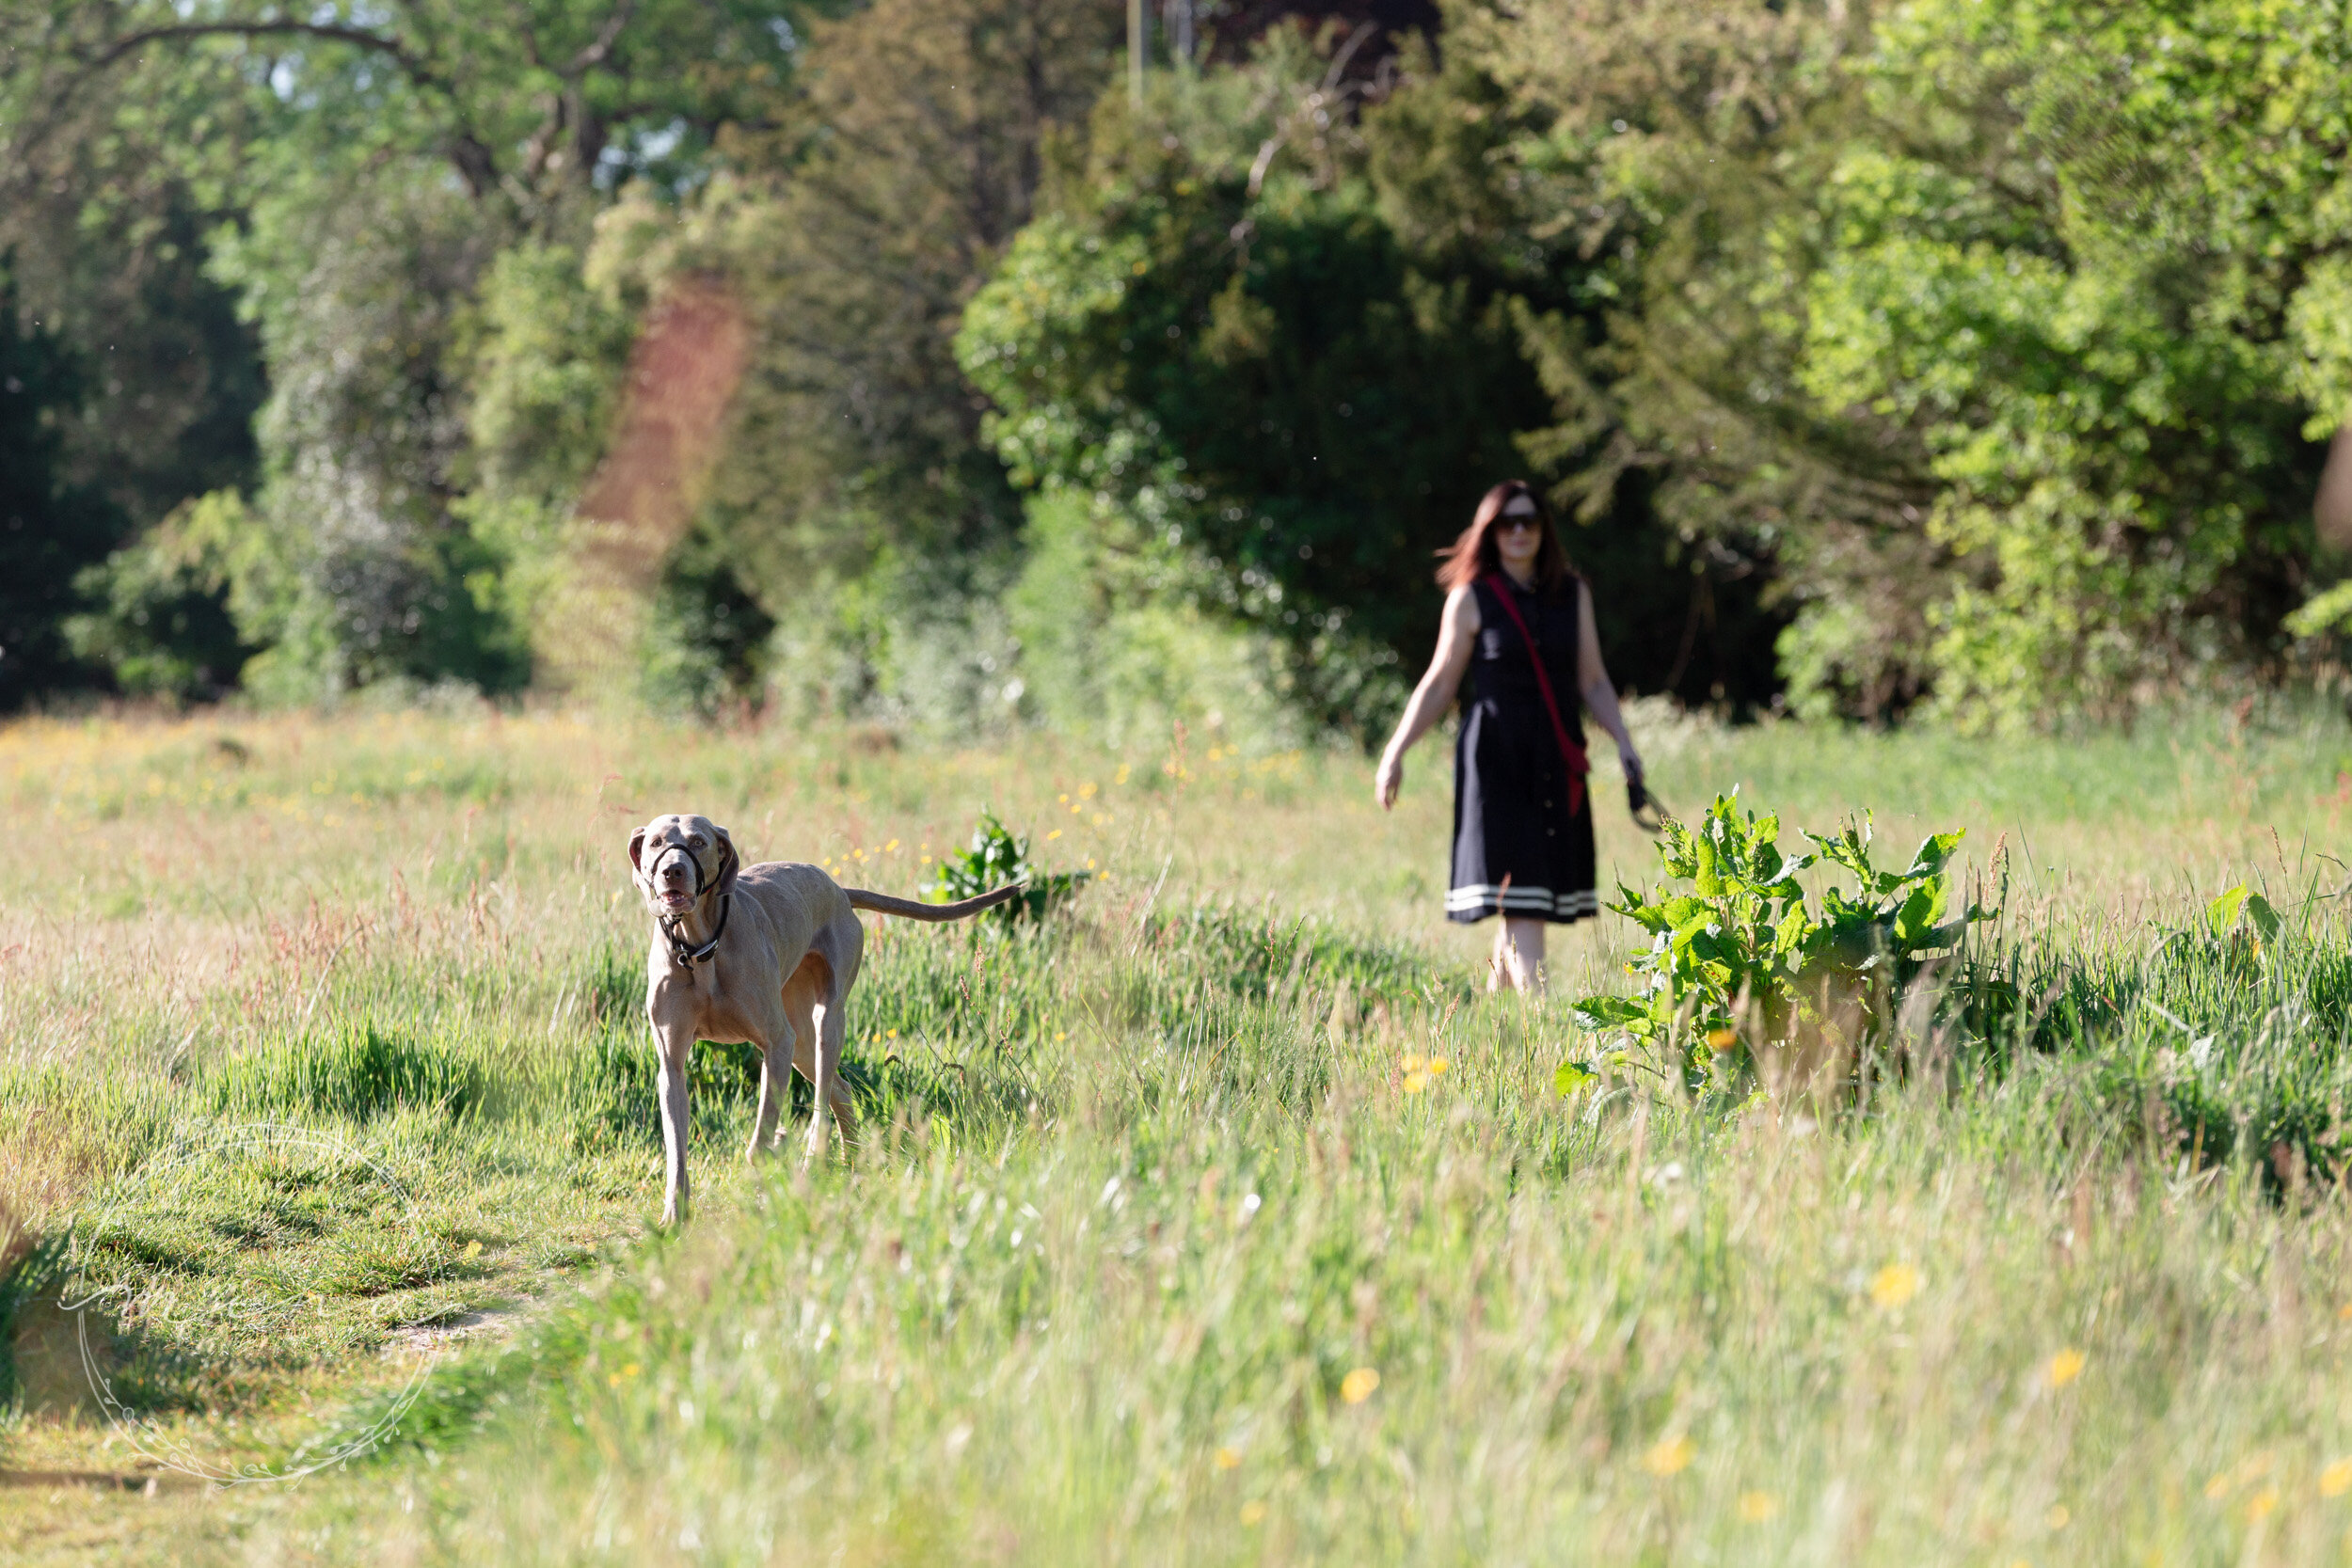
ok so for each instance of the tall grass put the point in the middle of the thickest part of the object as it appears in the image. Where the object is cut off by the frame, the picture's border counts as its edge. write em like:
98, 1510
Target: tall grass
1221, 1219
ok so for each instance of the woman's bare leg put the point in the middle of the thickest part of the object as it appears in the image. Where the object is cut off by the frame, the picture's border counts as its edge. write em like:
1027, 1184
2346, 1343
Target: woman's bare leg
1517, 963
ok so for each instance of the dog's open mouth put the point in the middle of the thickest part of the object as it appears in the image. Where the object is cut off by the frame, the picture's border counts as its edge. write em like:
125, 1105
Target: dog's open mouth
673, 899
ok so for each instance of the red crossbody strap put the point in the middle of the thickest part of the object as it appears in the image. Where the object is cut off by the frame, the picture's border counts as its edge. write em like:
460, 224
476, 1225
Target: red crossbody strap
1570, 753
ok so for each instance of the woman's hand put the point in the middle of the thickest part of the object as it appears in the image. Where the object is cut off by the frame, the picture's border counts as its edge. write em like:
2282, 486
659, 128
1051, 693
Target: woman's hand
1630, 759
1386, 781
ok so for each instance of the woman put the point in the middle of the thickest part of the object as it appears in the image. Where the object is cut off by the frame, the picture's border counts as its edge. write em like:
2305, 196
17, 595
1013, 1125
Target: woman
1519, 623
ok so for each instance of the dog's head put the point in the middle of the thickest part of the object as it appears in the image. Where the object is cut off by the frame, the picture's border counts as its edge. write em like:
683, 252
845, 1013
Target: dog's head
680, 860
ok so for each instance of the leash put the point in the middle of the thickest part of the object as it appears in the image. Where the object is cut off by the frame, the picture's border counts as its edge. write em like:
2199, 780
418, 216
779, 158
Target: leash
1570, 753
686, 955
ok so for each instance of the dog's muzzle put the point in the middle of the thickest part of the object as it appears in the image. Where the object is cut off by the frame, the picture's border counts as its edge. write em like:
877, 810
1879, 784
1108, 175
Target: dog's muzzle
686, 953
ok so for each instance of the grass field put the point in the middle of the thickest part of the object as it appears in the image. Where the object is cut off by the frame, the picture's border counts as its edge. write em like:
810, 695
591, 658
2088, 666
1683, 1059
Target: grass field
1219, 1219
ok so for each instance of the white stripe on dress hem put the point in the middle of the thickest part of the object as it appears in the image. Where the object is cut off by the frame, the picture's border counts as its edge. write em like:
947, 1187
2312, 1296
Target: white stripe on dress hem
1489, 896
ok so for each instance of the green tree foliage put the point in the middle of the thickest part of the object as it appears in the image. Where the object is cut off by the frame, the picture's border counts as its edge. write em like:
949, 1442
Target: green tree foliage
2003, 328
49, 528
860, 505
375, 163
1227, 354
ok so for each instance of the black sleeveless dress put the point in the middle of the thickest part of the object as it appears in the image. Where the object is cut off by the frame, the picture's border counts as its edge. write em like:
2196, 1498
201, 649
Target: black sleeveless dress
1518, 848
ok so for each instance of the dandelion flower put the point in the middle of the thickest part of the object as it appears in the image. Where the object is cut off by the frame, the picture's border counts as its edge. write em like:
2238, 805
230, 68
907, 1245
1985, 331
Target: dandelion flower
2057, 1516
1252, 1514
1358, 1386
1722, 1039
1436, 1066
2336, 1480
1416, 1082
1756, 1507
2065, 1366
2258, 1507
1228, 1460
1670, 1456
1893, 1286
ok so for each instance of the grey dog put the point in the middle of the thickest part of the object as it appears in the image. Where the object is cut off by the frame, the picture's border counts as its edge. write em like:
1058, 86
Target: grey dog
760, 955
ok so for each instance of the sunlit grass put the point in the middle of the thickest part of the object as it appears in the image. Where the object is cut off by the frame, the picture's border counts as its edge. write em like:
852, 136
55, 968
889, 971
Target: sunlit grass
1222, 1219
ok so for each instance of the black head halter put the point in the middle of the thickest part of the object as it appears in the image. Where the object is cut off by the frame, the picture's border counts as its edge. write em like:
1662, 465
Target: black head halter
686, 955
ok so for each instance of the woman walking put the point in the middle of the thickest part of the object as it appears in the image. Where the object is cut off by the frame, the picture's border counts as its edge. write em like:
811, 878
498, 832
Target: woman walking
1519, 623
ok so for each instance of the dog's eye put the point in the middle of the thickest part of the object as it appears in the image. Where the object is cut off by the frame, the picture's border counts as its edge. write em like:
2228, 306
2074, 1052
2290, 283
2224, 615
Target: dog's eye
695, 841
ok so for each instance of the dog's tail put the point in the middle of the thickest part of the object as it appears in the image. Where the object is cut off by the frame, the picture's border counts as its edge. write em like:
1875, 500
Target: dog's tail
909, 909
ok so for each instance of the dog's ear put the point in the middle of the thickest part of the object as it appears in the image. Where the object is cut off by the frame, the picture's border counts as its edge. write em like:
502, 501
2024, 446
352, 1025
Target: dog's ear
730, 862
637, 854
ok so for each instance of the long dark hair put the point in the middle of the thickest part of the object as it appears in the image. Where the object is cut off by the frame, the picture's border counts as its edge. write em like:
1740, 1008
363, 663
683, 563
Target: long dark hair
1473, 555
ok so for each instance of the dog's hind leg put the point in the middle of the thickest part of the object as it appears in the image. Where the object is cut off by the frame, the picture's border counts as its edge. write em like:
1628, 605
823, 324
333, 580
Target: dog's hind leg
803, 990
836, 952
776, 1086
831, 1034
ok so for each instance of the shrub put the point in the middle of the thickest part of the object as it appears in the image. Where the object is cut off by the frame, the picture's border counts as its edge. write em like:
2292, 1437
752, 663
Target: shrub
1746, 959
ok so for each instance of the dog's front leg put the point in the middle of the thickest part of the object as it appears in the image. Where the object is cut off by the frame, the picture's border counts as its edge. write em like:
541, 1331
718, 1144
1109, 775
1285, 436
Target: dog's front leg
674, 1046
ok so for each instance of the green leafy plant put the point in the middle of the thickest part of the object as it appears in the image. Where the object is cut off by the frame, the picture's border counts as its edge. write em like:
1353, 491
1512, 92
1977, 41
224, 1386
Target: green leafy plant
998, 856
1745, 958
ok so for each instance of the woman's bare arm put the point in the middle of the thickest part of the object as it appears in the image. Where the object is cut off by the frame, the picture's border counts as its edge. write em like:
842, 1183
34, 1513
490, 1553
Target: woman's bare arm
1457, 634
1592, 677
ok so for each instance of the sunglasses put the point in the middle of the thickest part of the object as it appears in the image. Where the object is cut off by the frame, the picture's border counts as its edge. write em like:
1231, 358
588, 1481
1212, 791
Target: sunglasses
1510, 520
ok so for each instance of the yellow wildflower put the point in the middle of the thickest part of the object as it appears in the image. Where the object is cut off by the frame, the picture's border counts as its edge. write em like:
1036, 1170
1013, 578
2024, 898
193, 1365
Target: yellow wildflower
1436, 1066
1756, 1507
2336, 1480
1893, 1286
2057, 1516
1358, 1386
1670, 1455
2258, 1507
1228, 1460
1722, 1039
1252, 1514
2066, 1366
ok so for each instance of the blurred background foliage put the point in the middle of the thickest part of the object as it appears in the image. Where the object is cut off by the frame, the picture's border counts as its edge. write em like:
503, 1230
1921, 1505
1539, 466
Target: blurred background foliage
1976, 360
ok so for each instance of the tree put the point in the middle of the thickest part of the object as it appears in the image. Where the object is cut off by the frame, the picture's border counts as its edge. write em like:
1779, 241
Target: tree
49, 529
370, 164
859, 506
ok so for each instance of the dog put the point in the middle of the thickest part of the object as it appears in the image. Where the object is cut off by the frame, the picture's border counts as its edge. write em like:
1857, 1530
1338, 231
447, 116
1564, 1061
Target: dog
760, 955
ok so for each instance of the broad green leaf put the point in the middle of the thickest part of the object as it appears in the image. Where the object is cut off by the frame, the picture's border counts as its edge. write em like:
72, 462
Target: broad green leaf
1707, 875
1610, 1012
2265, 918
1933, 851
1570, 1076
2222, 913
1917, 919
